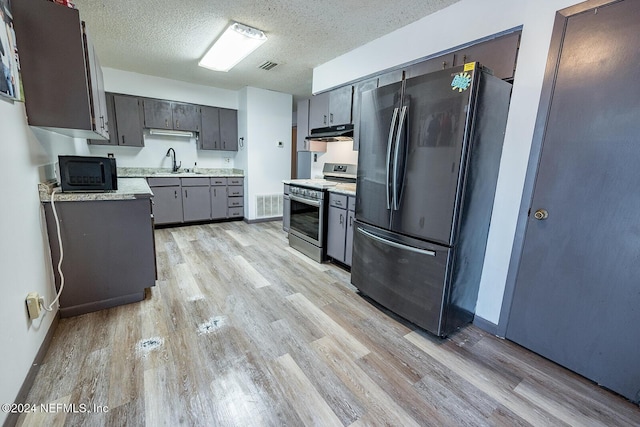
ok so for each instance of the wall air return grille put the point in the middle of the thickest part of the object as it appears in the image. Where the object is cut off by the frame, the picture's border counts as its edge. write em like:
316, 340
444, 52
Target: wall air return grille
268, 205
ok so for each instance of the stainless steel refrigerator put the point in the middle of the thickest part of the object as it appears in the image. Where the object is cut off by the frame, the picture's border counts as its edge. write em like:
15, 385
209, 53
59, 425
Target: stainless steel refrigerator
430, 149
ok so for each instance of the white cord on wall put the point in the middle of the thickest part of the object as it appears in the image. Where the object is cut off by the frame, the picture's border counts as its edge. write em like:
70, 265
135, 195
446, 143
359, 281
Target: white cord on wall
55, 215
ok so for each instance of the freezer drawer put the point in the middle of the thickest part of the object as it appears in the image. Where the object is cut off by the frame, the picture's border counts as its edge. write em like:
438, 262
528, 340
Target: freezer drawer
407, 276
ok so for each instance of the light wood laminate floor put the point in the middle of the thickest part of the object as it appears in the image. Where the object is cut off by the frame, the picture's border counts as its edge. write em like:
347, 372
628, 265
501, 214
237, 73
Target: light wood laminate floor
241, 330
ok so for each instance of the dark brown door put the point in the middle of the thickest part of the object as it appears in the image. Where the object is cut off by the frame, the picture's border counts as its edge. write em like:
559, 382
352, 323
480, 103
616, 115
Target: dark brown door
576, 299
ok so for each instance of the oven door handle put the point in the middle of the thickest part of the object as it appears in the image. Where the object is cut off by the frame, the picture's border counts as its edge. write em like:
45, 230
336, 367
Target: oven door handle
315, 203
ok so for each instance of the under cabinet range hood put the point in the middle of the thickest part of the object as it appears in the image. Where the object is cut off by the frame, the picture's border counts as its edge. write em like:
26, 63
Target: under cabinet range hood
332, 134
171, 132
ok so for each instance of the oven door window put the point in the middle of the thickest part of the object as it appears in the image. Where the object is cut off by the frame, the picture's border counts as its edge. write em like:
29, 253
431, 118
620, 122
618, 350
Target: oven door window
305, 219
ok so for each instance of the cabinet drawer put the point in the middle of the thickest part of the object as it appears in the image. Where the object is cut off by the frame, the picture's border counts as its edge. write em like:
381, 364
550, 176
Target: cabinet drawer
235, 181
218, 181
338, 200
163, 182
236, 212
235, 191
195, 182
234, 202
352, 203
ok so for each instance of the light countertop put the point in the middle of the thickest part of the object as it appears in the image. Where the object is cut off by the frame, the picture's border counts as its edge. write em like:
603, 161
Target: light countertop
344, 188
128, 189
166, 172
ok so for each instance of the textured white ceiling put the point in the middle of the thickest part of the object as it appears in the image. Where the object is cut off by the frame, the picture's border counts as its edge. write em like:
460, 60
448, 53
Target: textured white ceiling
167, 38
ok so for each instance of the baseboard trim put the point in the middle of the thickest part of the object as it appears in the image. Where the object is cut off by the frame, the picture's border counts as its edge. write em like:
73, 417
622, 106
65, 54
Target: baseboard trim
12, 418
255, 221
485, 325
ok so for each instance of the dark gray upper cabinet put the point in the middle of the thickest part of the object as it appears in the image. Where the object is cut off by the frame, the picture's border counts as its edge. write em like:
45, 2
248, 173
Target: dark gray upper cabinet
331, 108
340, 103
128, 118
498, 54
186, 116
319, 111
429, 66
98, 94
390, 77
161, 114
157, 114
59, 70
209, 129
228, 129
302, 125
219, 129
125, 118
111, 124
358, 89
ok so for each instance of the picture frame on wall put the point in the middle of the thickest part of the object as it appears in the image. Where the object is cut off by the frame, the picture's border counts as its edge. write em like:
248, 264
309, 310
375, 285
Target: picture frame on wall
10, 86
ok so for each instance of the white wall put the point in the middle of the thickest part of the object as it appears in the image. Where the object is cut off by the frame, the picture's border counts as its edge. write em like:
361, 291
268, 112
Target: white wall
265, 119
458, 24
25, 264
153, 153
337, 152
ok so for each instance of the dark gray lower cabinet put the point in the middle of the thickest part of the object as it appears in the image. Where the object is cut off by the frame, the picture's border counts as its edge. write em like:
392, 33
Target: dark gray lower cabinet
190, 199
196, 203
218, 200
348, 247
336, 232
109, 252
167, 204
340, 228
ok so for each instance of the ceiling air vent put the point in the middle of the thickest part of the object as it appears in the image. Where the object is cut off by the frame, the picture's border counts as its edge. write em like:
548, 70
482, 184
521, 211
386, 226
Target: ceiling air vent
267, 65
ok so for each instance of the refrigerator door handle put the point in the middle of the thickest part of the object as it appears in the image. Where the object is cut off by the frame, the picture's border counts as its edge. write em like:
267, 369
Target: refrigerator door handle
395, 244
389, 141
396, 202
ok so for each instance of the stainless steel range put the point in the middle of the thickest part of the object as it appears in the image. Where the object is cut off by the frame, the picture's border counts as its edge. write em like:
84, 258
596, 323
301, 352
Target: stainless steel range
309, 209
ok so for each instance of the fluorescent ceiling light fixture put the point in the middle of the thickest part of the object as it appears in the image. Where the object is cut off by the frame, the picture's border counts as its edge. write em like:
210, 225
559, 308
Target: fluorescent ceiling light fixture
235, 44
168, 132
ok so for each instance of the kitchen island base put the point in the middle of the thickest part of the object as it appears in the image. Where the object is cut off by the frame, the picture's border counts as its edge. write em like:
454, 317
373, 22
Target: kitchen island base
109, 252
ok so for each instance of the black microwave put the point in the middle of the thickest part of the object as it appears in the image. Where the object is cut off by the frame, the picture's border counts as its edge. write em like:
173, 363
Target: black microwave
87, 173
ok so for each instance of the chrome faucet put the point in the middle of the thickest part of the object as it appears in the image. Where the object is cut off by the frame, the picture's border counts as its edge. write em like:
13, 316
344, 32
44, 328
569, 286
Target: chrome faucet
174, 165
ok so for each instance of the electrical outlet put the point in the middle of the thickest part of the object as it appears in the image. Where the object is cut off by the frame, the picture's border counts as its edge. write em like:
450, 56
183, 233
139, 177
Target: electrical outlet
280, 144
33, 305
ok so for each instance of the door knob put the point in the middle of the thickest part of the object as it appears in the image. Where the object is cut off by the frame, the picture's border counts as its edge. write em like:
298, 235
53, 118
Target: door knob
541, 214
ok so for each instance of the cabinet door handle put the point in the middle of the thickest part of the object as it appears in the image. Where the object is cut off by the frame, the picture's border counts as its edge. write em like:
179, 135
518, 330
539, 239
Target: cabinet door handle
325, 119
224, 144
331, 118
186, 194
177, 124
175, 194
123, 140
341, 219
351, 222
166, 123
215, 194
